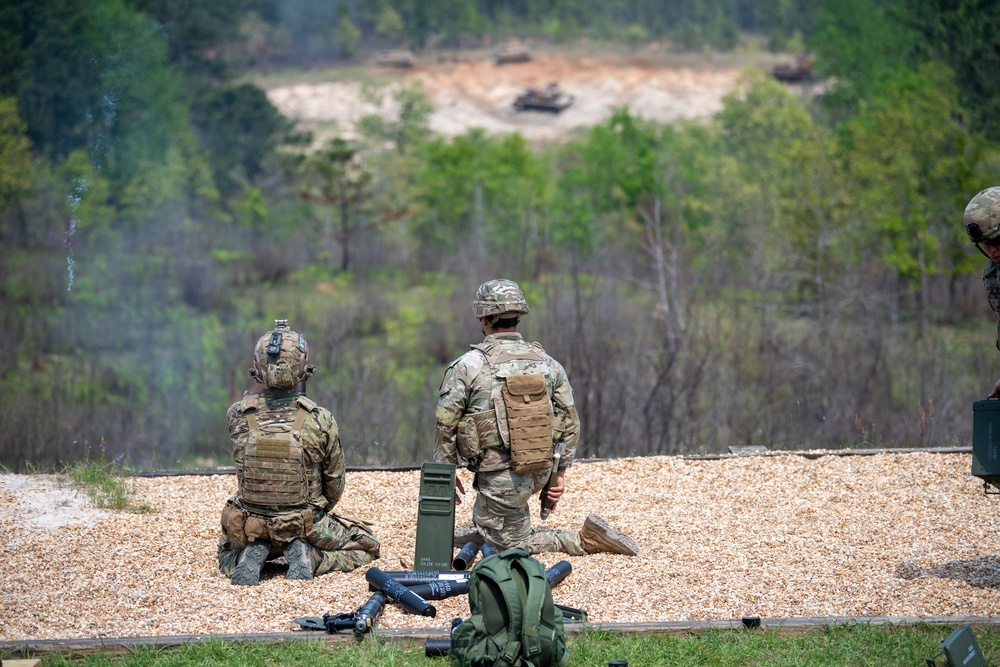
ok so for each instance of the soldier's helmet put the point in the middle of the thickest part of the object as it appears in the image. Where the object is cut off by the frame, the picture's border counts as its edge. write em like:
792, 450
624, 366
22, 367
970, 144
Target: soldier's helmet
496, 297
982, 216
280, 358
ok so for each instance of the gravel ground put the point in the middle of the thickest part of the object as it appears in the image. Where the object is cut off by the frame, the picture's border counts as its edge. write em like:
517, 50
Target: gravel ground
780, 536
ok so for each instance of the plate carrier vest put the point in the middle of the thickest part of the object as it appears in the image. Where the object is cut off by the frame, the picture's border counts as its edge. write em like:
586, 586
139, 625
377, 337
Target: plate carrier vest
275, 473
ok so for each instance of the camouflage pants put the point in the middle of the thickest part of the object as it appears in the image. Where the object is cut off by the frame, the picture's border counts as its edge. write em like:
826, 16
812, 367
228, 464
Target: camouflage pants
345, 545
501, 514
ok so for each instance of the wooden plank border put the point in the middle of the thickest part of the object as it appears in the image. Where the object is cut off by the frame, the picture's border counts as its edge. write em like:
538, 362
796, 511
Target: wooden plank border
413, 637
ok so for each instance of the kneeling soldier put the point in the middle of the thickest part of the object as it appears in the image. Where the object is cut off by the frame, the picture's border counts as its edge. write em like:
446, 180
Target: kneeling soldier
290, 470
501, 409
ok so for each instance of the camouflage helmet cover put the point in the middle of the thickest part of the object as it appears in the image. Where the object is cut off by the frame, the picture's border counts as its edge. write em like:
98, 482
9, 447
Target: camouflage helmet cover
982, 216
496, 297
280, 358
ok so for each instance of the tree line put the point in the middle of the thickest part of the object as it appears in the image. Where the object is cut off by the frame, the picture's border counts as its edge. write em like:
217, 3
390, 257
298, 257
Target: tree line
791, 273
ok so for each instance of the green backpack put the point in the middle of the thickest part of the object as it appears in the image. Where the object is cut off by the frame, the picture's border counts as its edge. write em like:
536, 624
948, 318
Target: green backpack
514, 622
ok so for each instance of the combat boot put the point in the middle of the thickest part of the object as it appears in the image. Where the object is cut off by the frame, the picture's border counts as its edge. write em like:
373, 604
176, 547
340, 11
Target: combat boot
303, 559
596, 536
250, 563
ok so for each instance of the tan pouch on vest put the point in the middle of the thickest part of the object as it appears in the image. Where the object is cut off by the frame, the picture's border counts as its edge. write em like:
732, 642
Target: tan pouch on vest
467, 438
476, 433
233, 520
255, 528
529, 419
288, 527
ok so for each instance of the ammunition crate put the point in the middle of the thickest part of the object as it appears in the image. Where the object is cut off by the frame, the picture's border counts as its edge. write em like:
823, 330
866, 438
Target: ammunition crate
986, 441
435, 517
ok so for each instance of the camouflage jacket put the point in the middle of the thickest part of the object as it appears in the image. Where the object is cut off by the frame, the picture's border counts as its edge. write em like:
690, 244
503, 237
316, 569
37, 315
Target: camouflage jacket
320, 441
991, 280
467, 389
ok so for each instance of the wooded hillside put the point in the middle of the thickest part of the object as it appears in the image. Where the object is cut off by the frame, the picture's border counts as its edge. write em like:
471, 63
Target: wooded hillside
790, 272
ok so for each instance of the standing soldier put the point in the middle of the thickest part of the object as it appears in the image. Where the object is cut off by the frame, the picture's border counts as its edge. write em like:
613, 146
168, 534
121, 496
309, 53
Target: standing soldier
290, 470
982, 224
503, 407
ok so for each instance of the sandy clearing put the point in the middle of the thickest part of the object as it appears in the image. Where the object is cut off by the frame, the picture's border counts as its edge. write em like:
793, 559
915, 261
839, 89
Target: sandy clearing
45, 501
478, 93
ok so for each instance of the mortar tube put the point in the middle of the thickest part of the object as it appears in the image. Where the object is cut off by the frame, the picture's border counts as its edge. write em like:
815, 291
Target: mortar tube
405, 577
399, 593
466, 555
409, 578
558, 572
435, 648
368, 614
439, 590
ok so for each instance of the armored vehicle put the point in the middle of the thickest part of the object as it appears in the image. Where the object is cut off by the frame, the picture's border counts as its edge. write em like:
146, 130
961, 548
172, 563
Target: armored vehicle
797, 72
511, 52
394, 58
550, 98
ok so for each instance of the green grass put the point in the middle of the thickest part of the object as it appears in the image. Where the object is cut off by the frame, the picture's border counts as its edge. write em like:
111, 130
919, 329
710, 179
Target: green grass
830, 646
103, 480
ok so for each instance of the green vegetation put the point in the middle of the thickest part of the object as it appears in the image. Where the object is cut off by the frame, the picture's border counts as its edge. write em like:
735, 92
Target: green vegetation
829, 646
791, 272
103, 480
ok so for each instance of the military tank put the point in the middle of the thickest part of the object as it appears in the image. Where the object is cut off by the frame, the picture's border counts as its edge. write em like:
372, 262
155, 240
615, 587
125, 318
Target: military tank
511, 52
796, 72
397, 58
551, 98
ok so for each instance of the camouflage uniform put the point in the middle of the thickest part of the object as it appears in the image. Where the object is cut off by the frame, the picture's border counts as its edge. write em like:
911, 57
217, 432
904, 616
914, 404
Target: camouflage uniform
345, 543
290, 470
500, 513
991, 280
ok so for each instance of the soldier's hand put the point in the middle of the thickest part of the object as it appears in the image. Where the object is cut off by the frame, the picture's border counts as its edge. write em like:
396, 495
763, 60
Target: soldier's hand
459, 489
557, 489
996, 390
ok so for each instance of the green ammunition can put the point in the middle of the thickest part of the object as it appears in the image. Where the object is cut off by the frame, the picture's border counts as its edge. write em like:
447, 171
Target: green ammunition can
960, 648
435, 517
986, 441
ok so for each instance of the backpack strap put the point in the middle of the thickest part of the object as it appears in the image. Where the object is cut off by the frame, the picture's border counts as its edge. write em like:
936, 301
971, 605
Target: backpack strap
495, 355
499, 571
531, 641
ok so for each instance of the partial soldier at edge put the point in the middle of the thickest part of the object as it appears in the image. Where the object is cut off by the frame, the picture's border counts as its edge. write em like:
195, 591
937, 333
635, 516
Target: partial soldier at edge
501, 410
982, 226
290, 471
